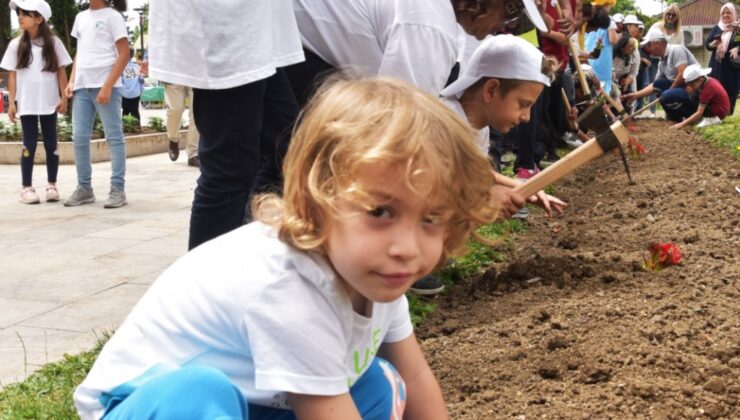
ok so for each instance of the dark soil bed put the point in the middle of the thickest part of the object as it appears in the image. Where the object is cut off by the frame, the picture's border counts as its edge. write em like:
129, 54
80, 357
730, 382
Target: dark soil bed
571, 326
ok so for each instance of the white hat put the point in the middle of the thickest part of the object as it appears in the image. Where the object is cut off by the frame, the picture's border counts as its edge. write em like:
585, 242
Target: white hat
653, 35
693, 72
631, 20
533, 13
618, 18
39, 6
503, 56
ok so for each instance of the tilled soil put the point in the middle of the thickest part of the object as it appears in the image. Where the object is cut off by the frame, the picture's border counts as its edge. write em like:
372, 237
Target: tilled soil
571, 326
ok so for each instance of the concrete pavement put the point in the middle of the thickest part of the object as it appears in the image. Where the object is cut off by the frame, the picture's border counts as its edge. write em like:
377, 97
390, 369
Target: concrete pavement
68, 274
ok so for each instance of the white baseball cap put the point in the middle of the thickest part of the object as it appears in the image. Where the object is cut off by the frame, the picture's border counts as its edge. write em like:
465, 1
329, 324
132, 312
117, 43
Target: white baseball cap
653, 35
39, 6
502, 56
618, 18
693, 72
632, 20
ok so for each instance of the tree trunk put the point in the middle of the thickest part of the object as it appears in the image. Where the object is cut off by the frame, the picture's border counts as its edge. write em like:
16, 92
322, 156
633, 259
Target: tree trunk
5, 31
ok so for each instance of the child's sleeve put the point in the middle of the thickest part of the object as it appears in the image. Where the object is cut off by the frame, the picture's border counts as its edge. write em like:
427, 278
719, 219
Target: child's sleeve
297, 339
10, 59
63, 57
117, 27
400, 327
76, 28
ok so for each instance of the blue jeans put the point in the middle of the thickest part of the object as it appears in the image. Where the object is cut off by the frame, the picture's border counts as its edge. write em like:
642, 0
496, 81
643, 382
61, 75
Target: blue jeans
675, 101
201, 392
84, 108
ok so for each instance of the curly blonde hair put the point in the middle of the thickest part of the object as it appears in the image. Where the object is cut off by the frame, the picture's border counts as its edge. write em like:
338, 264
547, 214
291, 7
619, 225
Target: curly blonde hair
351, 125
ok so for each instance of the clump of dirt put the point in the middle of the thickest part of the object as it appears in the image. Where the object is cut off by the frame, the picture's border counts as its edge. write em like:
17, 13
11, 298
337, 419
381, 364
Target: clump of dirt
571, 326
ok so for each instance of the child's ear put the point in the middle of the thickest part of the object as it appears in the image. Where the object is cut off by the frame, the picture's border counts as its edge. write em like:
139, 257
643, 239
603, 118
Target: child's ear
489, 89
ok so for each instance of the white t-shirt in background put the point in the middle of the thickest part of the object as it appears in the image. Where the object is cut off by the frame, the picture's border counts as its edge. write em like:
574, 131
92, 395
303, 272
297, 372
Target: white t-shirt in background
412, 40
37, 91
97, 32
217, 44
483, 140
272, 318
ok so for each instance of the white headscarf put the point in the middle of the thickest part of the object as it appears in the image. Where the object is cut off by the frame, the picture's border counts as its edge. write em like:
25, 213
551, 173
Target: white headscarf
727, 31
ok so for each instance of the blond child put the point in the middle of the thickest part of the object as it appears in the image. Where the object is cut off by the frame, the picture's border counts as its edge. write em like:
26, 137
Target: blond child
290, 315
498, 88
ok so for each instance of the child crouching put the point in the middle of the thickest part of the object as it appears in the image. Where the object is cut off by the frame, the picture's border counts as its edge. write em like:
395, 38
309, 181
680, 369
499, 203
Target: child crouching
290, 315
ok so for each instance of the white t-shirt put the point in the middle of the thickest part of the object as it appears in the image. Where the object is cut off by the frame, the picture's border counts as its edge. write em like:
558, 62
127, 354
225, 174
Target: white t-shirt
272, 318
483, 140
37, 91
97, 32
413, 40
209, 44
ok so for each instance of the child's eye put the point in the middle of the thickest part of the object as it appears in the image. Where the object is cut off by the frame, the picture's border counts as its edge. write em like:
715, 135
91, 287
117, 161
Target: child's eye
434, 219
380, 212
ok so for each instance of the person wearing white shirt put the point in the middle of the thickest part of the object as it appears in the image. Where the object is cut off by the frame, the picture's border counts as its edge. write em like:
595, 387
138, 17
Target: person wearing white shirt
231, 54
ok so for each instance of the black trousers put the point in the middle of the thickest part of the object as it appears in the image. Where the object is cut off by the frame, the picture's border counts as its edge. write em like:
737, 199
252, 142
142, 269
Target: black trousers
30, 126
240, 132
130, 106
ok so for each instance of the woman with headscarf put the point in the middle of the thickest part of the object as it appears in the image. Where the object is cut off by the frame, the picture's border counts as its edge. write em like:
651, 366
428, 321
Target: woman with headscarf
724, 40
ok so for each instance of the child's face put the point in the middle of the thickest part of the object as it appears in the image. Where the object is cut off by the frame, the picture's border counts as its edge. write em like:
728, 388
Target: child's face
693, 86
27, 20
380, 253
507, 111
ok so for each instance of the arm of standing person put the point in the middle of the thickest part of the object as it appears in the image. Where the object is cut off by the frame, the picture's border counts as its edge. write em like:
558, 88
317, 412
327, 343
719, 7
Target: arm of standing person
115, 73
695, 117
613, 36
61, 107
713, 38
70, 89
11, 96
424, 398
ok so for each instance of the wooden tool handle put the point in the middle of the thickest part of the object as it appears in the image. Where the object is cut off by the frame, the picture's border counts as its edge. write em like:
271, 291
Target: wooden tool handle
574, 160
566, 102
616, 104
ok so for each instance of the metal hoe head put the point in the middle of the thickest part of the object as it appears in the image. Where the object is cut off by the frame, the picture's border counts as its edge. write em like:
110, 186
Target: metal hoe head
594, 119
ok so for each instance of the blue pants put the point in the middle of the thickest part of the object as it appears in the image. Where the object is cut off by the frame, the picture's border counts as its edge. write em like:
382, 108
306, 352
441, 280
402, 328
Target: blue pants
83, 118
200, 392
676, 102
30, 124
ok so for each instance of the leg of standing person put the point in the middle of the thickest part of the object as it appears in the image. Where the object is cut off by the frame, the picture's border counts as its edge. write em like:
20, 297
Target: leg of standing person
525, 165
230, 123
30, 126
110, 117
193, 135
652, 73
174, 98
49, 134
83, 118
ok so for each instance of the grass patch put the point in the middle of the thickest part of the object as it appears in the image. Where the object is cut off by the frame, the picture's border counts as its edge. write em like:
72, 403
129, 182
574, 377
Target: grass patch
725, 135
47, 393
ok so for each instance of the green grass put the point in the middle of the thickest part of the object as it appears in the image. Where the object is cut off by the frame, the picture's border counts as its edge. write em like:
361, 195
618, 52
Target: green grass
47, 394
725, 135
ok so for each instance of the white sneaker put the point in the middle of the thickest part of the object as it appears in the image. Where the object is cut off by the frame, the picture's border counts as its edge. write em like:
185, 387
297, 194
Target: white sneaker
28, 196
572, 141
706, 122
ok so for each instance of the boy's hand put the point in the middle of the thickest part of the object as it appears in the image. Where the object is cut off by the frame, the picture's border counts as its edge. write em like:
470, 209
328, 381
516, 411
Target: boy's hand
69, 91
103, 95
11, 113
548, 203
509, 202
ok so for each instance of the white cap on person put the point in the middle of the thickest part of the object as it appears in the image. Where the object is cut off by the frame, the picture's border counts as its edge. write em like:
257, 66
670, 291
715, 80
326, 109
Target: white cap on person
502, 56
653, 35
39, 6
693, 72
618, 18
631, 20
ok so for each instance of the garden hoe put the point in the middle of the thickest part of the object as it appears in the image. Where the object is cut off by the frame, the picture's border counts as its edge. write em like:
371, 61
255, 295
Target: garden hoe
608, 138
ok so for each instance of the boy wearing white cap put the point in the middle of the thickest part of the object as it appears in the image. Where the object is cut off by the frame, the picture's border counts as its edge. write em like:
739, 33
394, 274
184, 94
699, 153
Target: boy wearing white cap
714, 104
498, 87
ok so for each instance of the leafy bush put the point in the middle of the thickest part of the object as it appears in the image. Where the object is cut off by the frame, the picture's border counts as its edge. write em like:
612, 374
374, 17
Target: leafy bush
725, 134
131, 124
157, 124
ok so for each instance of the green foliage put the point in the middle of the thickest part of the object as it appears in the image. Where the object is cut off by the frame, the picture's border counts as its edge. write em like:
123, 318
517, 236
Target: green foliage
131, 124
157, 124
64, 129
725, 135
47, 394
98, 129
419, 308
